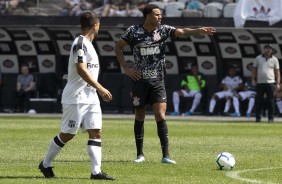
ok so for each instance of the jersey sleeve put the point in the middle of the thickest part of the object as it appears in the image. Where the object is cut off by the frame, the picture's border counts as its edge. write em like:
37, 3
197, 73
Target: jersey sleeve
79, 51
128, 35
170, 30
277, 67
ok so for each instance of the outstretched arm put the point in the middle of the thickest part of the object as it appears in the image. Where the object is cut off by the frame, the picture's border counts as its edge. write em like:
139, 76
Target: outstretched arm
184, 32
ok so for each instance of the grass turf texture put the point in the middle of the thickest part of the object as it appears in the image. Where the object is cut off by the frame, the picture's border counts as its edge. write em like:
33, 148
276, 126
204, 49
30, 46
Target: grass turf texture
193, 144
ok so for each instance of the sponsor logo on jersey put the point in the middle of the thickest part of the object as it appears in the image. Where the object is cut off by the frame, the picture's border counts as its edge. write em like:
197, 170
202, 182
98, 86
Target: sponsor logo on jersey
149, 74
92, 65
149, 51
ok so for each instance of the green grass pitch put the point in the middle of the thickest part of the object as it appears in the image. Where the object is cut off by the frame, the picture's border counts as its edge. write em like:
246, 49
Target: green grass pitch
194, 144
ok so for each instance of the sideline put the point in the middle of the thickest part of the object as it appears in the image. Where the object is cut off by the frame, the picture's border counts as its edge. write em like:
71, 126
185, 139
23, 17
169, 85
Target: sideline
151, 117
235, 174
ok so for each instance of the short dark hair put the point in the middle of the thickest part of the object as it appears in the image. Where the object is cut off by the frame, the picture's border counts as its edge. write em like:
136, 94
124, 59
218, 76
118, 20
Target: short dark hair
148, 9
88, 19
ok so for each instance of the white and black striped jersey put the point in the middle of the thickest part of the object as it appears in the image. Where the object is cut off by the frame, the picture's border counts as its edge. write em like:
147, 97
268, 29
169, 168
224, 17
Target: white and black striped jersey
77, 91
149, 49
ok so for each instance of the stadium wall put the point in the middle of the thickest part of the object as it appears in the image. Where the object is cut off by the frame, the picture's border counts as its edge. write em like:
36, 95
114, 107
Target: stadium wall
46, 48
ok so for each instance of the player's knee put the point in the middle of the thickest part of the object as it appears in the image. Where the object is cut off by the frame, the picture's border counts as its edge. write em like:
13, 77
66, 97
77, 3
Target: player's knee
198, 95
95, 134
65, 137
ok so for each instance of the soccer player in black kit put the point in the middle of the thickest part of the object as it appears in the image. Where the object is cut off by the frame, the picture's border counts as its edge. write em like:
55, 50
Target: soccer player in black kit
148, 42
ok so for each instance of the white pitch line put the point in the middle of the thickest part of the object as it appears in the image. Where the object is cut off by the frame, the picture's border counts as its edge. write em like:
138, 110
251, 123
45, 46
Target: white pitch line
235, 174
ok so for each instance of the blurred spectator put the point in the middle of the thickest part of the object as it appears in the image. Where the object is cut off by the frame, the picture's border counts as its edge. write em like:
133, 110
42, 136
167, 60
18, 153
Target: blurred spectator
99, 5
136, 7
193, 5
7, 6
25, 89
116, 8
75, 7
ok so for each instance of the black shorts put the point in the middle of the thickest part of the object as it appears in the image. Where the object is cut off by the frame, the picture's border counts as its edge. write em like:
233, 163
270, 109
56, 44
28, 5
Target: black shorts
148, 92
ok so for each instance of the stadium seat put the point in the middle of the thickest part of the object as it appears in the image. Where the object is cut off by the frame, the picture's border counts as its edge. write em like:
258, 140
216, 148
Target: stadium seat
213, 10
174, 9
228, 10
192, 13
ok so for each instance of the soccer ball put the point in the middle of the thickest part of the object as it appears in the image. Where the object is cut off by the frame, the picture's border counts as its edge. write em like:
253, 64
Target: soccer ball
225, 161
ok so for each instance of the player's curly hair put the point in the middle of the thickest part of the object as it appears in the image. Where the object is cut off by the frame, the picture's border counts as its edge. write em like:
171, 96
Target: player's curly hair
149, 8
88, 19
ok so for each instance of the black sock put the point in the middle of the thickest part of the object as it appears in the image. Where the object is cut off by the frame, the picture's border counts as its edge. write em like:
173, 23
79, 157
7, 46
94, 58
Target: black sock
139, 135
163, 135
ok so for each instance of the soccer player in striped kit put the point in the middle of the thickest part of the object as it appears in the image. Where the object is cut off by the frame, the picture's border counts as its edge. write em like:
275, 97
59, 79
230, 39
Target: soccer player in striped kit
81, 105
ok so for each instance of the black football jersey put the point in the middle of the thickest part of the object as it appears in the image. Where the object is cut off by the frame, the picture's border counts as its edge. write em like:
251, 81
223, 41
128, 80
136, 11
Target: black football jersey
149, 49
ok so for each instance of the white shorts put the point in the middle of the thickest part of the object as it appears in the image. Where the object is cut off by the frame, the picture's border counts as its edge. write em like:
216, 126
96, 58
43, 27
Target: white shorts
247, 94
84, 116
224, 94
190, 93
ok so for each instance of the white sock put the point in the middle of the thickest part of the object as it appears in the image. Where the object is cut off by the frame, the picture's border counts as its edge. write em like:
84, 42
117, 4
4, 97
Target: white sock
236, 104
212, 105
55, 147
227, 106
175, 100
251, 105
94, 150
196, 101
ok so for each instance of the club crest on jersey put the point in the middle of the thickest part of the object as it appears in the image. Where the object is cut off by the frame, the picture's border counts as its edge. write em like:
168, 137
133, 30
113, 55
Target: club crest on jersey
80, 52
71, 123
157, 36
136, 101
